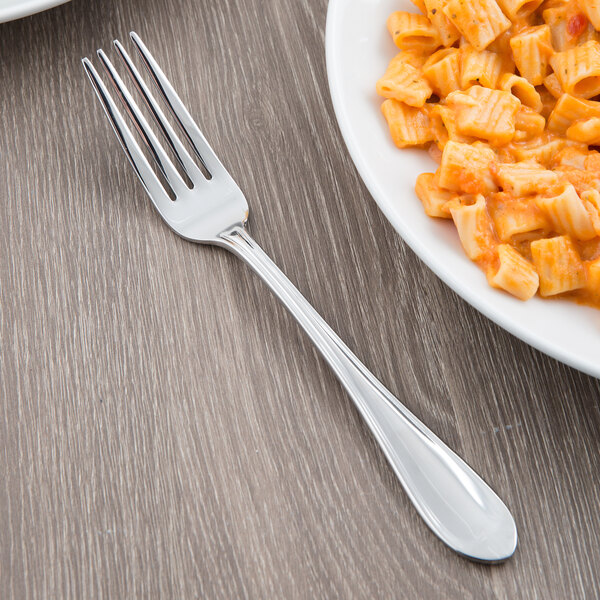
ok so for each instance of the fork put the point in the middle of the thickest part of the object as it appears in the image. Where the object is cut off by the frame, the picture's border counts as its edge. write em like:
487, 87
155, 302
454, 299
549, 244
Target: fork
458, 506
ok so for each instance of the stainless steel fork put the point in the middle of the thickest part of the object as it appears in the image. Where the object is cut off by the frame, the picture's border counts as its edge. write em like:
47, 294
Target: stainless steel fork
453, 500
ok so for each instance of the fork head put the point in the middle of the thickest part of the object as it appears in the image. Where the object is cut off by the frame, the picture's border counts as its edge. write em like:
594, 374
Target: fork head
209, 203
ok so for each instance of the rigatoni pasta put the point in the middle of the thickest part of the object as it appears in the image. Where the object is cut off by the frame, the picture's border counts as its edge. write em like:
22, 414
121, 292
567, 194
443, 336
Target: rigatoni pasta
485, 113
578, 69
479, 21
507, 92
448, 33
591, 8
514, 273
442, 70
558, 265
409, 126
480, 68
474, 226
531, 50
402, 81
413, 32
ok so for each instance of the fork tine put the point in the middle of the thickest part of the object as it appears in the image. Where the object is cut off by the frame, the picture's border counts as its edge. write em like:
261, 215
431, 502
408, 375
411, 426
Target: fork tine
179, 149
151, 183
161, 157
201, 146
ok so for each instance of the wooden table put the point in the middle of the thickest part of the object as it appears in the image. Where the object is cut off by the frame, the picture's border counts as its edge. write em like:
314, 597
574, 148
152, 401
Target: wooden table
166, 429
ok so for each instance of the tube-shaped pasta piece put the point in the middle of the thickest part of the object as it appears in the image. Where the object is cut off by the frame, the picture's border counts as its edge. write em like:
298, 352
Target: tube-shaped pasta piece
578, 69
479, 21
548, 4
518, 9
591, 8
403, 82
555, 18
474, 226
442, 71
591, 201
586, 131
515, 274
524, 178
568, 26
568, 213
414, 58
446, 30
515, 216
569, 109
484, 113
592, 161
443, 127
581, 180
558, 265
522, 89
466, 168
480, 68
433, 197
548, 101
593, 277
552, 84
413, 32
542, 149
528, 124
408, 126
570, 157
438, 129
531, 50
443, 124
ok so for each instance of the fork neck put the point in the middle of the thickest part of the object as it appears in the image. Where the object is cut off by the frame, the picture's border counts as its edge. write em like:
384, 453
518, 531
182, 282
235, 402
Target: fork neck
236, 238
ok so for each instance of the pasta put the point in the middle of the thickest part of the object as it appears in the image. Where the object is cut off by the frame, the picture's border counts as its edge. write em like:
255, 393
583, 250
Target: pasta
578, 69
409, 126
506, 93
514, 274
531, 51
402, 81
447, 31
442, 71
485, 113
558, 265
591, 8
479, 21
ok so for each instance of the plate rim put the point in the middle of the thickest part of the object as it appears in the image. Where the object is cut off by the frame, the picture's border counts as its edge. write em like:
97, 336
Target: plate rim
508, 323
25, 9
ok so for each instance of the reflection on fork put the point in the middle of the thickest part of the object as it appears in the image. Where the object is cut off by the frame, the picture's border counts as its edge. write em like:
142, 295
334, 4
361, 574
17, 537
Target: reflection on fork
207, 206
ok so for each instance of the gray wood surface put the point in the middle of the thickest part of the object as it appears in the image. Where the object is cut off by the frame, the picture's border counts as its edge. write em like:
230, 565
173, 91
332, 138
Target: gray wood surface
166, 430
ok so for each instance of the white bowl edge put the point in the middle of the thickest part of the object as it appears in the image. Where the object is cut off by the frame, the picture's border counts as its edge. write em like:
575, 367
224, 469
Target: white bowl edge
517, 320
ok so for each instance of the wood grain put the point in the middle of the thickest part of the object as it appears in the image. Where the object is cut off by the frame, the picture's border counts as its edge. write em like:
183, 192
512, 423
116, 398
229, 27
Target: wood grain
166, 430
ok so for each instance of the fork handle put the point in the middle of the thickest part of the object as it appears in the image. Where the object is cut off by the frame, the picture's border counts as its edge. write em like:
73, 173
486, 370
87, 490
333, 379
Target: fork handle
458, 506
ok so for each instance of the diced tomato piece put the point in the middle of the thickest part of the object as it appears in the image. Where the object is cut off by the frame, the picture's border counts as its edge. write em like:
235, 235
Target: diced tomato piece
576, 25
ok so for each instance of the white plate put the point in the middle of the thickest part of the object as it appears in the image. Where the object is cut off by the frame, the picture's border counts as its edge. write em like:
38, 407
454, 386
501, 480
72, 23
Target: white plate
15, 9
358, 50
